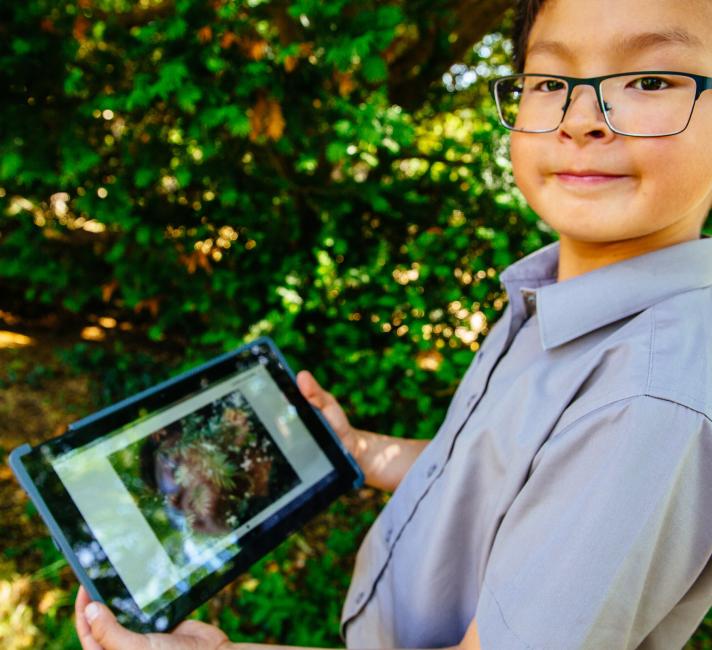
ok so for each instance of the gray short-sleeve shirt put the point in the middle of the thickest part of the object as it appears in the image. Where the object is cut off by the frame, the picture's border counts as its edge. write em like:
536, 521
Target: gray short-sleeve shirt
566, 500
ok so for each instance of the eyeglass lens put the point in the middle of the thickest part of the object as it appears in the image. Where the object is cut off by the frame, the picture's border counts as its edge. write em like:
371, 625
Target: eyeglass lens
659, 104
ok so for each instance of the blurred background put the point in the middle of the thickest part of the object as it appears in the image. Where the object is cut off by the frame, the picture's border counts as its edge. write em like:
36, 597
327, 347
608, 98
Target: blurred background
178, 177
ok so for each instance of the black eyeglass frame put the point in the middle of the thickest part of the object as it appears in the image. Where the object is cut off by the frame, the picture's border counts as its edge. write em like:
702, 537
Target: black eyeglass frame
702, 83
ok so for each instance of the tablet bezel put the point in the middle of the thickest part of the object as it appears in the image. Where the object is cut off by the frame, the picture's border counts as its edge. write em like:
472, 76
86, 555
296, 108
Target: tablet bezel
69, 529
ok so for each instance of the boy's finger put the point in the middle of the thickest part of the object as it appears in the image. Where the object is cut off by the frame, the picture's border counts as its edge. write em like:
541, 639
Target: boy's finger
83, 630
109, 633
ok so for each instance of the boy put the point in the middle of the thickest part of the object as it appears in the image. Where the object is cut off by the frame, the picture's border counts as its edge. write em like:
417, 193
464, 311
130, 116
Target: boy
564, 502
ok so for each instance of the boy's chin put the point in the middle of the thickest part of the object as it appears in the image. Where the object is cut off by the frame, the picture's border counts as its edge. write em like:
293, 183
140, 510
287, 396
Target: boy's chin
595, 230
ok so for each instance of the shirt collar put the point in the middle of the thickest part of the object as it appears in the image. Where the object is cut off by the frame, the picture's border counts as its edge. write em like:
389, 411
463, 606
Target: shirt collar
579, 305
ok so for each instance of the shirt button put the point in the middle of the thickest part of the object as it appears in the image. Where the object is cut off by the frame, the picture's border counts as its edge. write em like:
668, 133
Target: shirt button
360, 597
473, 399
388, 535
431, 470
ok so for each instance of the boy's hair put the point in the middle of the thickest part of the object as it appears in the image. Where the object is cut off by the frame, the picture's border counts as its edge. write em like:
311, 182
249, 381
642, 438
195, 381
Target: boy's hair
527, 11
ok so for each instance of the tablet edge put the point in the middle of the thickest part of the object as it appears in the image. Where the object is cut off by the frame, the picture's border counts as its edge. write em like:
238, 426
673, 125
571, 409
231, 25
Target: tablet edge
55, 532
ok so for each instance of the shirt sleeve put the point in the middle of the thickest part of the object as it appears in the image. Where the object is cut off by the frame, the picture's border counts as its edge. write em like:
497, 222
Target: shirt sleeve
609, 531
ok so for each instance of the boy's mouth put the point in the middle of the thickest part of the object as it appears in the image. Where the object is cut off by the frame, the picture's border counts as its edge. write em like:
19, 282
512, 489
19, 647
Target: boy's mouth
587, 177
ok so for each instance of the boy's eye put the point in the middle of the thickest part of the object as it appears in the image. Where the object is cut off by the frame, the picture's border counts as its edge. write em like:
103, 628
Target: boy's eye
550, 85
650, 83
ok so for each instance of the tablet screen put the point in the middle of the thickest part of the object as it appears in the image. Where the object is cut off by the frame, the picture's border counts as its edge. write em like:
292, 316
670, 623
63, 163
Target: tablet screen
170, 495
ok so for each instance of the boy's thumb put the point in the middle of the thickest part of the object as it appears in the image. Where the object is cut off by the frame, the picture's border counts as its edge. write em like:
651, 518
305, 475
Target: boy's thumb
311, 389
109, 633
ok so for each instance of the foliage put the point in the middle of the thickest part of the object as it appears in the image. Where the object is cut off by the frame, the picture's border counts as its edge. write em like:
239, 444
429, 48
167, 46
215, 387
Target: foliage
15, 615
207, 173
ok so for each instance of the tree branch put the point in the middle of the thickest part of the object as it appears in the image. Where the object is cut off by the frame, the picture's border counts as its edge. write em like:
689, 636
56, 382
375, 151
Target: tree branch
426, 59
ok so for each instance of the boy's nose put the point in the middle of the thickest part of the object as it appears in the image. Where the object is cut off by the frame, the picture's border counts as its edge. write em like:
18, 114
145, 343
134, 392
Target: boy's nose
583, 115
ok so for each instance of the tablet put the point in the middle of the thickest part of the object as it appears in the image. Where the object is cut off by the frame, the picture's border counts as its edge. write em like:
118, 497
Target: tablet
160, 500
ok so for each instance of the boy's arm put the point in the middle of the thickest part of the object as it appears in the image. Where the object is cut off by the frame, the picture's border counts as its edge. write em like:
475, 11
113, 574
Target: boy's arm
101, 631
471, 641
384, 459
261, 646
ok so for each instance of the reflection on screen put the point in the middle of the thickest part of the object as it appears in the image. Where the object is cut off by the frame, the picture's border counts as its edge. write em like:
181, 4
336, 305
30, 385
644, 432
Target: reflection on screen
169, 496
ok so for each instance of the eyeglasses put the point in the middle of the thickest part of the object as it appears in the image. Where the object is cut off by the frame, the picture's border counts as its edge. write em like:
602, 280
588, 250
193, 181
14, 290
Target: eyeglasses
641, 104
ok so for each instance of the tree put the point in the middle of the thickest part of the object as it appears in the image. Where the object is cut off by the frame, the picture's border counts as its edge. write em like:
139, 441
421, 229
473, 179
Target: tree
209, 172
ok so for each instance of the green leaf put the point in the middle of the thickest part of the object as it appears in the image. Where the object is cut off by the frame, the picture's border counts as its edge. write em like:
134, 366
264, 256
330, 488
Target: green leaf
389, 16
98, 29
380, 203
142, 93
175, 29
374, 69
116, 252
10, 165
21, 46
188, 96
183, 176
146, 33
74, 81
362, 44
335, 151
155, 333
215, 63
144, 235
228, 196
144, 176
170, 78
238, 123
341, 57
78, 159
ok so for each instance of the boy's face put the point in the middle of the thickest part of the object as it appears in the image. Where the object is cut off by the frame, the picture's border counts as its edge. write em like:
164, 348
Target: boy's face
665, 187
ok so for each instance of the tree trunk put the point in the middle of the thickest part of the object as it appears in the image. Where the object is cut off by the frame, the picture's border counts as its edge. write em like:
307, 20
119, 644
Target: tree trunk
424, 58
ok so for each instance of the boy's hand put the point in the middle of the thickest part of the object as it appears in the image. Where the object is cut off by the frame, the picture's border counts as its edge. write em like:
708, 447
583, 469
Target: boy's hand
383, 459
330, 409
103, 632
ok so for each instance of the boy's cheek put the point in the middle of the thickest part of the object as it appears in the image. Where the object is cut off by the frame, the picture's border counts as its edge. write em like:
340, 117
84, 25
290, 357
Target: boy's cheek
525, 162
532, 166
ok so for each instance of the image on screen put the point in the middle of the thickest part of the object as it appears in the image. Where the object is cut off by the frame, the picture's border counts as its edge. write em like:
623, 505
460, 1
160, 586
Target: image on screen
200, 477
172, 496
